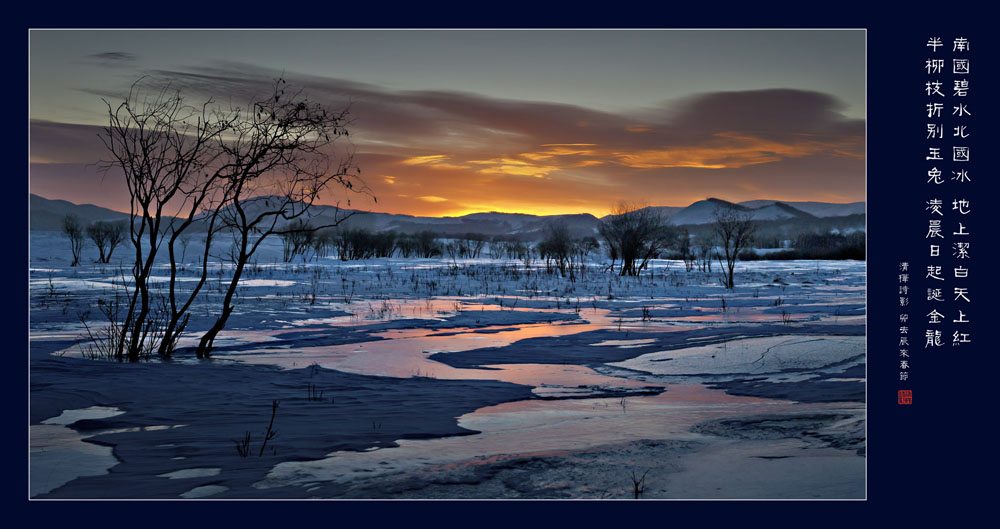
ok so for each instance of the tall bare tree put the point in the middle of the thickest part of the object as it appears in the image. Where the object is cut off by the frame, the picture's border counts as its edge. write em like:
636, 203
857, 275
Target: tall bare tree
734, 231
635, 233
164, 147
277, 160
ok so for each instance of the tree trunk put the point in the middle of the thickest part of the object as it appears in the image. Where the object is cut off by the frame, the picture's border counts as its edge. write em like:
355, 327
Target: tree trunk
207, 341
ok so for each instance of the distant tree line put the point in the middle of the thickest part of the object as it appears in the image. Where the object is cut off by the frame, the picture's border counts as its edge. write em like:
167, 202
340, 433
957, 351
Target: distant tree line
349, 244
774, 233
831, 246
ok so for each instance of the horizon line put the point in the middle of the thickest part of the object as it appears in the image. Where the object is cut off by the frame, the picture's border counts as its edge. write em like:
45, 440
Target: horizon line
476, 212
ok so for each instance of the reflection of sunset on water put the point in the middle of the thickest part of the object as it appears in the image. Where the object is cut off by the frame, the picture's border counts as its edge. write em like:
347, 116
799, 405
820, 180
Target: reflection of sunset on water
545, 428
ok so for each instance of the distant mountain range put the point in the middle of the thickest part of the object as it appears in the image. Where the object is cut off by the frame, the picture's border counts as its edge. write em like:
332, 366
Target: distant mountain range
46, 214
819, 209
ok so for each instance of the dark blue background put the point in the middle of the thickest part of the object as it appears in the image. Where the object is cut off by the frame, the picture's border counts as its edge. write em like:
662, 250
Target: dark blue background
932, 457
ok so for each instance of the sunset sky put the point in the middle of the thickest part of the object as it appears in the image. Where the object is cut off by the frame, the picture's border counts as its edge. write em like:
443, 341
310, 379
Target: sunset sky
453, 122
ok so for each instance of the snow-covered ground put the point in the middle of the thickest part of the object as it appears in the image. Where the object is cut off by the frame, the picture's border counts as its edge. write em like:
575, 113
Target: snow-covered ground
424, 378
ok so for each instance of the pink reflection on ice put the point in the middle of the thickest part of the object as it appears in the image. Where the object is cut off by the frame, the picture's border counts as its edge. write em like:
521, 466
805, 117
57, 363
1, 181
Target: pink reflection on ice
405, 353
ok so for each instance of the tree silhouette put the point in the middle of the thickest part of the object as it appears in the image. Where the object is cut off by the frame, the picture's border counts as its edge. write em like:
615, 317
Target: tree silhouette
74, 231
734, 231
106, 236
276, 164
635, 234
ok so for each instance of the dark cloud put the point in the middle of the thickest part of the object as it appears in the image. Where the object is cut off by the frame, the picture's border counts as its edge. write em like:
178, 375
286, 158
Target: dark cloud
113, 56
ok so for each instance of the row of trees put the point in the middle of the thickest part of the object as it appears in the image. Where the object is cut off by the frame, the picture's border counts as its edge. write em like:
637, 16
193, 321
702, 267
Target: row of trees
105, 235
559, 250
250, 171
819, 246
633, 234
358, 243
562, 252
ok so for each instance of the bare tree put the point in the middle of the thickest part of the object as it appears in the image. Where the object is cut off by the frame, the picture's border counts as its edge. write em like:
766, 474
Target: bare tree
734, 231
165, 148
106, 236
248, 171
73, 230
277, 163
635, 234
557, 247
